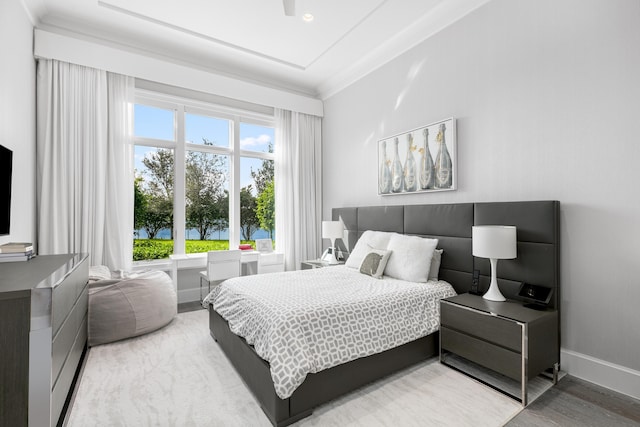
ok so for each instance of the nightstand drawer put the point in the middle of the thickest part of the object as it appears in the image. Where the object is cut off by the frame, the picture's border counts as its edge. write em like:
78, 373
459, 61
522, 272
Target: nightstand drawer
505, 333
499, 359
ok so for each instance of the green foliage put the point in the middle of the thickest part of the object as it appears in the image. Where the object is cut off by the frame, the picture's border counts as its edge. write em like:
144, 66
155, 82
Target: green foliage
154, 193
158, 215
221, 222
160, 166
266, 208
139, 205
198, 246
248, 218
146, 249
263, 176
265, 201
206, 201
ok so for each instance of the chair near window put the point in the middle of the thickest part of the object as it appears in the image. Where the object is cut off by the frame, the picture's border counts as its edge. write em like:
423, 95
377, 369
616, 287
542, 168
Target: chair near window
221, 265
272, 262
268, 261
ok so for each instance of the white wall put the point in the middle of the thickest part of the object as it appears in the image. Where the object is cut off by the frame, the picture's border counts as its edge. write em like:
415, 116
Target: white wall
547, 99
17, 115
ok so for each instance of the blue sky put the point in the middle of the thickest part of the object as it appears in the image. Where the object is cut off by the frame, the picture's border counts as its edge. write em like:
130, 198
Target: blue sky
151, 122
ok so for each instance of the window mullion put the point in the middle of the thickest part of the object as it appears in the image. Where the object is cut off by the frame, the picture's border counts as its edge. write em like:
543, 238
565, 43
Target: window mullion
234, 186
209, 149
158, 143
179, 210
257, 155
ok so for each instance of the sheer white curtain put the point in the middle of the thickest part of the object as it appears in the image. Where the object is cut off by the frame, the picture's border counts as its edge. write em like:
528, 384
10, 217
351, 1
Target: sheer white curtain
298, 186
84, 155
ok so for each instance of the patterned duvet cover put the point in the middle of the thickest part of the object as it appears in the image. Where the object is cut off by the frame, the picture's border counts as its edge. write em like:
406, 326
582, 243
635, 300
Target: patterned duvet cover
305, 321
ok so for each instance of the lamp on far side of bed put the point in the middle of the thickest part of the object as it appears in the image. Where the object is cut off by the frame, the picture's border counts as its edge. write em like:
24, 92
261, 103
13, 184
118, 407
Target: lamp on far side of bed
494, 242
331, 230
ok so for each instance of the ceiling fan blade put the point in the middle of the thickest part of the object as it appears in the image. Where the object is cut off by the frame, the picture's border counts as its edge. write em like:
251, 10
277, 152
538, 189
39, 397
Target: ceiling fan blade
289, 7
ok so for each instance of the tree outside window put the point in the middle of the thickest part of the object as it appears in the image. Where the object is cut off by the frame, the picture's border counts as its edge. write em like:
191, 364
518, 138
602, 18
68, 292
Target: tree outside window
202, 176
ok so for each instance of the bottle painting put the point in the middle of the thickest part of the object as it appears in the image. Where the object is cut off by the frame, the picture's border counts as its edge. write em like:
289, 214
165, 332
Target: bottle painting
385, 172
397, 177
443, 165
426, 163
410, 182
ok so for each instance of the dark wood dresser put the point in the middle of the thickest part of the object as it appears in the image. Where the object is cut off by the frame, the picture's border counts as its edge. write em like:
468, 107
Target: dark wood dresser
43, 334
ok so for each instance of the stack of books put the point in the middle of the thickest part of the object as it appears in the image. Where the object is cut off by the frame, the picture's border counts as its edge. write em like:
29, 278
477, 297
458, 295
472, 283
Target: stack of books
16, 251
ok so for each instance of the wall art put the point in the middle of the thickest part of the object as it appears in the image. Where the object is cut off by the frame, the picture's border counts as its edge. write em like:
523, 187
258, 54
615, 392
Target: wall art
418, 161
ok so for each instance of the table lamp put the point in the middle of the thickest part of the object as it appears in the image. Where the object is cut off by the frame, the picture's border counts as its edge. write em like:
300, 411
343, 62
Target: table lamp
331, 230
494, 242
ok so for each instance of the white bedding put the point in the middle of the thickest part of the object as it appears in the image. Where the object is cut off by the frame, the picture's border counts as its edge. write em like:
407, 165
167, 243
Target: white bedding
305, 321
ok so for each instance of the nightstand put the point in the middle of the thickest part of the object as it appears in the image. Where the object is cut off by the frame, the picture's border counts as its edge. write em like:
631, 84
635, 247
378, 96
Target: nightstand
506, 337
316, 263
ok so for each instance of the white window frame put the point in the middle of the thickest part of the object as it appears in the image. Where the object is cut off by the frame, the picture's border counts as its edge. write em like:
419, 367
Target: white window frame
180, 107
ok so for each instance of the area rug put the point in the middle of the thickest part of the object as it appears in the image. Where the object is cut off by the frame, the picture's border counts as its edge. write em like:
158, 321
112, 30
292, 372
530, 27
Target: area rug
178, 376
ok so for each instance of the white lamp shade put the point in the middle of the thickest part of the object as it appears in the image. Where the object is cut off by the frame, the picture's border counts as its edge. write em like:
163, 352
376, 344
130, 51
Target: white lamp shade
494, 241
332, 229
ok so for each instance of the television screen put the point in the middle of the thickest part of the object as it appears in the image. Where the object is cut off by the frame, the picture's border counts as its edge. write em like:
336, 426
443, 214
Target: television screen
6, 162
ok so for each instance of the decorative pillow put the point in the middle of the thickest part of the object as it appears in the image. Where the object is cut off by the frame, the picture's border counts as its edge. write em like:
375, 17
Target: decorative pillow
369, 240
375, 262
411, 258
434, 271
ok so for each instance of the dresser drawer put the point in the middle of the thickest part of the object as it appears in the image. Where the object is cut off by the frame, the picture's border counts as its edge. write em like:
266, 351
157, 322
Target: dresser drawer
66, 294
64, 339
60, 390
503, 332
491, 356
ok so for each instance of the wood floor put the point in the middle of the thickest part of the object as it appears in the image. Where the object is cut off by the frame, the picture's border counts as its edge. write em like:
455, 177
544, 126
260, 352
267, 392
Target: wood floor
572, 402
575, 402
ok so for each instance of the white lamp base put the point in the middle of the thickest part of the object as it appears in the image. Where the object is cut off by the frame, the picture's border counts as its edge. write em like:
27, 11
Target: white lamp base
494, 294
332, 259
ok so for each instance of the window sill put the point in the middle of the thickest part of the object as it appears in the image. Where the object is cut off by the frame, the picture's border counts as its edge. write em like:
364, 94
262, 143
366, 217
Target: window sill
156, 264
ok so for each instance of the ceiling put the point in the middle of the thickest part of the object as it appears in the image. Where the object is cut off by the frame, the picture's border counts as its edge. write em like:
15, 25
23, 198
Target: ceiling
254, 40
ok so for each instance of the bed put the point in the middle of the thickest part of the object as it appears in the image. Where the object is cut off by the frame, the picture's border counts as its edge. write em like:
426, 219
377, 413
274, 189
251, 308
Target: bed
450, 224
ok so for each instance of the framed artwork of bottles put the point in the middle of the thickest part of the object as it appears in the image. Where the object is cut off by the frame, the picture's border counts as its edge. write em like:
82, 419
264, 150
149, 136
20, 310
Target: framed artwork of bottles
418, 161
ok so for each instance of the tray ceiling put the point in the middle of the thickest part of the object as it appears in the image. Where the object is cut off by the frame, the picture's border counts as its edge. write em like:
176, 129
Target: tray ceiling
254, 39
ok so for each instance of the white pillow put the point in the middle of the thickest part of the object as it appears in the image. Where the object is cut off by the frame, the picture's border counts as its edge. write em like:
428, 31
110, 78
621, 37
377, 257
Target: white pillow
374, 263
411, 257
434, 271
369, 240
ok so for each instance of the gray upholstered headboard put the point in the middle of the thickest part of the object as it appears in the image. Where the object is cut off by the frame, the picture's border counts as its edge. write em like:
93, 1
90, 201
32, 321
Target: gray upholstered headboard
537, 223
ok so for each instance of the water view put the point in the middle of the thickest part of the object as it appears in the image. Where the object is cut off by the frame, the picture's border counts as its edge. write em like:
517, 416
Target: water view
192, 234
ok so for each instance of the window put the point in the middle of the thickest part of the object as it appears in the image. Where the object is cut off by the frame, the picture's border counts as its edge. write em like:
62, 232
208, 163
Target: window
257, 208
203, 177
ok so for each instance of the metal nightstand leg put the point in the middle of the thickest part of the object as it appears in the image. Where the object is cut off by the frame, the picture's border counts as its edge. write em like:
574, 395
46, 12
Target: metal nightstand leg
525, 360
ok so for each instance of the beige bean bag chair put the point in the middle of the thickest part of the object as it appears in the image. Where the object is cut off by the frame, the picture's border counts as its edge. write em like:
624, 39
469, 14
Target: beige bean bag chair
125, 308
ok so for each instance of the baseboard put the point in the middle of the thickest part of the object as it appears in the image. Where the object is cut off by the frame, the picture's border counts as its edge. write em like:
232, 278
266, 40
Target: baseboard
606, 374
